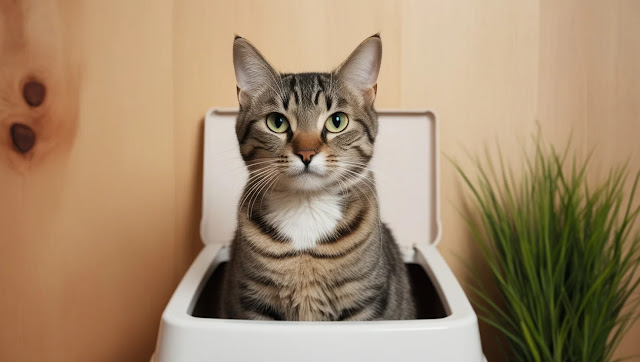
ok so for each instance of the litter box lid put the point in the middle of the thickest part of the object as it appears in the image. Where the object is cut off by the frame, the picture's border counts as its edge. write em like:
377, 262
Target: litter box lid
405, 162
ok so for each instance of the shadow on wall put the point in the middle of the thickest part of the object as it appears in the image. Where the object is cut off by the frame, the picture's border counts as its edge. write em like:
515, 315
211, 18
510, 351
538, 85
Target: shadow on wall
194, 215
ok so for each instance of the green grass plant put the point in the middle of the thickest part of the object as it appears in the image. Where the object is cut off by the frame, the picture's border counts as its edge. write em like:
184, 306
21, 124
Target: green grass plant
563, 254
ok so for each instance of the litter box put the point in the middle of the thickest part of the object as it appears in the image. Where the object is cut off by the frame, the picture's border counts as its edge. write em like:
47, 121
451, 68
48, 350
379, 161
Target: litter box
406, 162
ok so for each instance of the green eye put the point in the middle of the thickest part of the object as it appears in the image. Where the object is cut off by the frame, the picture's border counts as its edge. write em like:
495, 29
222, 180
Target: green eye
277, 122
337, 122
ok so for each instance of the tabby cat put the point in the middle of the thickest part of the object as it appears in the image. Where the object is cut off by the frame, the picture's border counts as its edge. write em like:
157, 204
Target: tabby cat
310, 245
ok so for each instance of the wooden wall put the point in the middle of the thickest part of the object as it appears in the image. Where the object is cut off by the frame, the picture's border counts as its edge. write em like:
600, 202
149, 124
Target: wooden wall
99, 218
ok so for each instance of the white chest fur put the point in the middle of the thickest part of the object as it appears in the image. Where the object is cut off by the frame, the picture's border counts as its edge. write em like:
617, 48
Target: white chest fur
304, 218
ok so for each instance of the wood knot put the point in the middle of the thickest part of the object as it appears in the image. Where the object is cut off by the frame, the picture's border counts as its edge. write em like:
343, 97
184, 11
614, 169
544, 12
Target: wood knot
23, 137
34, 93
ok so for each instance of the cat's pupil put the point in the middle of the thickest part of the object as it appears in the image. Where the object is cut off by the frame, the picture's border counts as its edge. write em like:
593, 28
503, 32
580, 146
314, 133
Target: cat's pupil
278, 121
336, 121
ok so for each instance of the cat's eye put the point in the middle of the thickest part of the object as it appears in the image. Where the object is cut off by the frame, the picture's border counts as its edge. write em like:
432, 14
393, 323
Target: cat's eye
277, 122
337, 122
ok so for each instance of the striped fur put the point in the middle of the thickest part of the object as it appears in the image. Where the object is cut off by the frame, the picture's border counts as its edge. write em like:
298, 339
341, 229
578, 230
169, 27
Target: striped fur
310, 244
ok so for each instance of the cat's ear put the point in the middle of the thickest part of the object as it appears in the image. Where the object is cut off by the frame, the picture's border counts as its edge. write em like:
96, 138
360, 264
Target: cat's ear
251, 68
361, 68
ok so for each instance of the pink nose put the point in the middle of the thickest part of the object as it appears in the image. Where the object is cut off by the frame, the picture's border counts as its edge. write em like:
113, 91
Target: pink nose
306, 156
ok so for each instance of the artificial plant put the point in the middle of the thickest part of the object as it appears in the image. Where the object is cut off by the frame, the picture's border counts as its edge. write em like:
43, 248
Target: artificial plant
562, 252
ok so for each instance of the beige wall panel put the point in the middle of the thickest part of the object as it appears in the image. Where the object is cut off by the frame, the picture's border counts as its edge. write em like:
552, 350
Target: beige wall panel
86, 217
563, 73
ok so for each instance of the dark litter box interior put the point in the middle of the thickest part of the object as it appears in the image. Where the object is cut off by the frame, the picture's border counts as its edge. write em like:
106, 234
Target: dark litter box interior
427, 299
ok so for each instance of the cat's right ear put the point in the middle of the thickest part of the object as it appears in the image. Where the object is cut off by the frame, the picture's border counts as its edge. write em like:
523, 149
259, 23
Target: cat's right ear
252, 70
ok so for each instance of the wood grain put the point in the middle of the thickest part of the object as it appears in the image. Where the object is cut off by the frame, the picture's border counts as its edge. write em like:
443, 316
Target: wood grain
99, 216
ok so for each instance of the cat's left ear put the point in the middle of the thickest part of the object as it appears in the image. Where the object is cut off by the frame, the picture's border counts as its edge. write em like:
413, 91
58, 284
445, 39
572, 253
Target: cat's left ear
360, 70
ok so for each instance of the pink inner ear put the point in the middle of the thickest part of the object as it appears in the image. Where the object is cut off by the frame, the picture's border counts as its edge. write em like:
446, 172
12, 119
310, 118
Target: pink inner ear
370, 94
243, 97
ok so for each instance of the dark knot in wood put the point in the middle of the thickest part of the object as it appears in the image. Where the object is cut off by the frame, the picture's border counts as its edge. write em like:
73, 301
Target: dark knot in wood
23, 137
34, 93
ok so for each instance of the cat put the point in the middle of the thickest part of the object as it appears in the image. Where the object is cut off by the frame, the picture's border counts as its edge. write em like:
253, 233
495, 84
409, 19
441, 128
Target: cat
310, 245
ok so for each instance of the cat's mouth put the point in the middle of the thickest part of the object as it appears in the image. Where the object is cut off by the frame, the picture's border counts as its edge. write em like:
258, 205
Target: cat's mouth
306, 179
307, 172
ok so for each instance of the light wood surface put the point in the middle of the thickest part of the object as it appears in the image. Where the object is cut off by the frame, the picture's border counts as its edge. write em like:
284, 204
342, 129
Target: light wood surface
99, 220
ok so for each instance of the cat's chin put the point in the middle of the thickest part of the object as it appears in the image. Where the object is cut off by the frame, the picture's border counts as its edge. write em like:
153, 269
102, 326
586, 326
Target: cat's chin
306, 182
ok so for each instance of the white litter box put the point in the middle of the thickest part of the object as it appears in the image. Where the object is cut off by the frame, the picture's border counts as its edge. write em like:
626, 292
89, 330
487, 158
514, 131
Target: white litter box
406, 161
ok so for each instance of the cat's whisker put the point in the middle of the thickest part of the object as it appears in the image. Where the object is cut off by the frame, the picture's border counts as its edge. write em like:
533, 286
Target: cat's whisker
259, 167
347, 183
264, 189
354, 163
371, 187
260, 161
257, 193
375, 195
361, 165
248, 164
250, 190
364, 178
343, 187
344, 182
259, 173
349, 162
365, 195
254, 169
258, 176
348, 179
262, 174
236, 170
251, 169
270, 188
361, 171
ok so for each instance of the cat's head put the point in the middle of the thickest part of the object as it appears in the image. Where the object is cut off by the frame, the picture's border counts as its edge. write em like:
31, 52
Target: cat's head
307, 131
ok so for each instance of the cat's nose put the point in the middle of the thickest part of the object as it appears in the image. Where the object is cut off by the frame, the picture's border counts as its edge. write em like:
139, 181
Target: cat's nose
306, 156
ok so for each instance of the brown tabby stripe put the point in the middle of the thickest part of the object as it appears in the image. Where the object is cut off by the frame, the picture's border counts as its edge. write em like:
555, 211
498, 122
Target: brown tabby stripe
254, 246
294, 90
267, 229
247, 131
362, 153
367, 129
346, 229
261, 279
254, 151
259, 306
353, 247
358, 308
